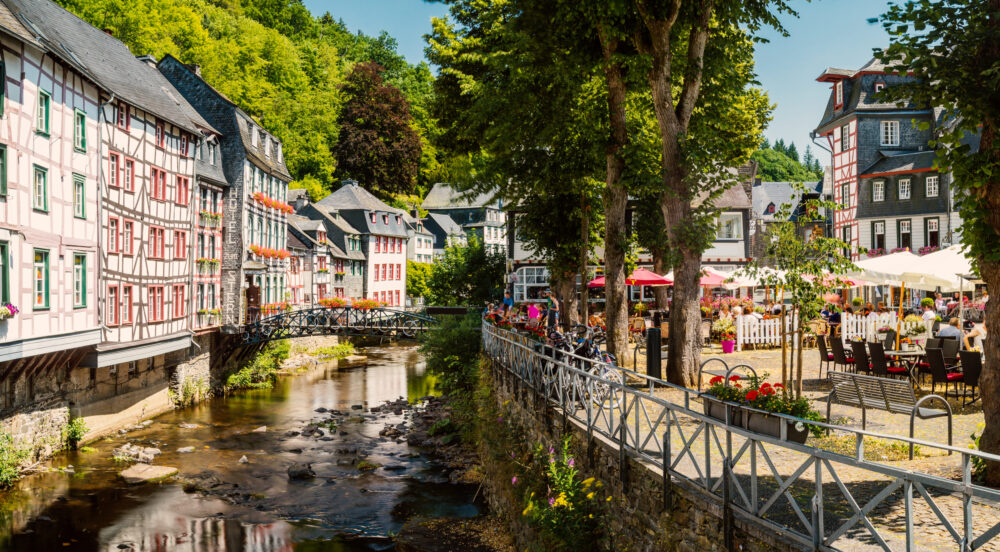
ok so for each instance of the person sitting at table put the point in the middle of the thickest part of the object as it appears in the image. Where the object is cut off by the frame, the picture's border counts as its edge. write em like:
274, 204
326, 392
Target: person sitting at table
951, 330
977, 335
534, 314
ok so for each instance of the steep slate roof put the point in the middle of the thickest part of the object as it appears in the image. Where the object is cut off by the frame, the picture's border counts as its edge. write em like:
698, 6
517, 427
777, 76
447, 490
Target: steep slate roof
294, 195
859, 97
301, 226
351, 196
901, 161
305, 224
734, 197
446, 223
257, 152
294, 242
443, 196
13, 26
412, 222
107, 61
778, 193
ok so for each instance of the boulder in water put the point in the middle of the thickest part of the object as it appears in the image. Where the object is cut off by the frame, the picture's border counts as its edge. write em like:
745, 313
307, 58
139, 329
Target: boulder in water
144, 473
300, 472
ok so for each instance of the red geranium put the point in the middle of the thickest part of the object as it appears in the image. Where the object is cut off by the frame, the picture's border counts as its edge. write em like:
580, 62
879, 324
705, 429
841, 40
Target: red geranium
751, 395
715, 380
734, 378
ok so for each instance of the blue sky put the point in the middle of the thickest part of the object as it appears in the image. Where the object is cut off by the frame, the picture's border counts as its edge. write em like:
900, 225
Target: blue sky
826, 33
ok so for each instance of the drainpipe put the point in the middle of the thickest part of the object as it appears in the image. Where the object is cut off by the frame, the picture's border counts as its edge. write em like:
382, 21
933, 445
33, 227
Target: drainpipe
100, 202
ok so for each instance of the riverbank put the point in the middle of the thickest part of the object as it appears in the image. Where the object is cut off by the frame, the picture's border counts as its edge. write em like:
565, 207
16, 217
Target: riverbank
367, 482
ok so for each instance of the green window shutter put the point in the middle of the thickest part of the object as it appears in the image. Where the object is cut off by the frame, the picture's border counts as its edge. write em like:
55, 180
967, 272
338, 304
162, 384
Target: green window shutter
42, 116
3, 87
4, 274
3, 169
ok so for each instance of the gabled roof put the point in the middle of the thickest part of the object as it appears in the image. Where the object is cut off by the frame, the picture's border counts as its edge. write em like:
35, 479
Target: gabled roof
305, 224
778, 194
12, 25
901, 162
294, 242
443, 196
735, 196
106, 61
859, 95
296, 194
446, 223
302, 226
352, 197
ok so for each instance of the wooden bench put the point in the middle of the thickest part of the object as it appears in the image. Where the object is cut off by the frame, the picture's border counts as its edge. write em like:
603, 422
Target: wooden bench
893, 396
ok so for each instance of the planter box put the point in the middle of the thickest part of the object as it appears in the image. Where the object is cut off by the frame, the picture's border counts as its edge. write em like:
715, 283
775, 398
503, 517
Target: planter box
771, 425
715, 408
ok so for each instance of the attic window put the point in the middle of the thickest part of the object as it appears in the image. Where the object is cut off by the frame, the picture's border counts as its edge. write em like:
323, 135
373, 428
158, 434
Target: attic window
839, 93
879, 86
372, 217
770, 209
385, 219
399, 219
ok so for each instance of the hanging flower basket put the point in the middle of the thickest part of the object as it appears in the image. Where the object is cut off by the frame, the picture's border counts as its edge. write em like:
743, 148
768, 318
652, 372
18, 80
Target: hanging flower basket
8, 310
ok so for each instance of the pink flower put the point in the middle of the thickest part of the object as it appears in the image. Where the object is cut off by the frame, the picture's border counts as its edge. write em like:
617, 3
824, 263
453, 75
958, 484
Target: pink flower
513, 481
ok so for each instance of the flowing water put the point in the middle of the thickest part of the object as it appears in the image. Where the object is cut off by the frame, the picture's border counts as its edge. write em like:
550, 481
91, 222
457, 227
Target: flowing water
87, 507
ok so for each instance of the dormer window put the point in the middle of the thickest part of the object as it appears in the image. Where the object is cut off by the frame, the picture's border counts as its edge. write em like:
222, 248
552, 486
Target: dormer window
399, 219
371, 216
770, 209
838, 94
385, 219
321, 236
253, 135
879, 86
267, 148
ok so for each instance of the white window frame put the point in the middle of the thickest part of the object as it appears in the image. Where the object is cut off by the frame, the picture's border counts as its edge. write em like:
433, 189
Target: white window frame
932, 183
730, 227
878, 190
889, 133
904, 184
839, 93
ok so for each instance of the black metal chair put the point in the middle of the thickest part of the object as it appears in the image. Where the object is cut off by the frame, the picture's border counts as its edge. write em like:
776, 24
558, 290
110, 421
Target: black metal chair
840, 357
923, 367
889, 343
861, 363
972, 367
825, 356
950, 347
880, 364
940, 373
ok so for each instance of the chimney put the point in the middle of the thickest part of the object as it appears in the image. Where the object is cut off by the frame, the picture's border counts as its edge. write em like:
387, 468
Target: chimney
195, 68
108, 31
148, 60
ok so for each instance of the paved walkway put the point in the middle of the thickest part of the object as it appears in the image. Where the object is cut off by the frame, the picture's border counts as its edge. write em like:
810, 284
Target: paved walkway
775, 464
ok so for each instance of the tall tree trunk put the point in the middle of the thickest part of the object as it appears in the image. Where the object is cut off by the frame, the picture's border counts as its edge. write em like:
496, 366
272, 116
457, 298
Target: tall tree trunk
568, 302
989, 380
685, 321
584, 258
798, 369
660, 267
615, 202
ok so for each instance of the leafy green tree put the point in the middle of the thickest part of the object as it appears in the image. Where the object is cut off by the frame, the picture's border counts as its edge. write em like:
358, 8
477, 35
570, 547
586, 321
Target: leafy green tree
377, 144
793, 152
466, 275
952, 48
417, 275
774, 166
807, 260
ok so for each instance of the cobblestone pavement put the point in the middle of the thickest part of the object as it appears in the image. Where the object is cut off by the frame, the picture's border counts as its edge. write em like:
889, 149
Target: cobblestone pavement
776, 464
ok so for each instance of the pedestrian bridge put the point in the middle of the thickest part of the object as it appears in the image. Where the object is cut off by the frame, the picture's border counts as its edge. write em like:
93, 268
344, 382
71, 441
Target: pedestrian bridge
340, 321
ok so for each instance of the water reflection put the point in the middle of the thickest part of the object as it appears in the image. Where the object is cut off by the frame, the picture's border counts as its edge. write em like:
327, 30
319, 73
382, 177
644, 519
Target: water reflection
253, 505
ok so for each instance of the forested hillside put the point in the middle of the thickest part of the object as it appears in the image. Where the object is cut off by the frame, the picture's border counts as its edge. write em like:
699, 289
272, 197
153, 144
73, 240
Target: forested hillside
277, 62
780, 163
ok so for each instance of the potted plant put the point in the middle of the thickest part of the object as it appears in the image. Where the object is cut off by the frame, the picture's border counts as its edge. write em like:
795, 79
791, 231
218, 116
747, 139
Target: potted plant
727, 334
640, 308
763, 396
721, 391
8, 310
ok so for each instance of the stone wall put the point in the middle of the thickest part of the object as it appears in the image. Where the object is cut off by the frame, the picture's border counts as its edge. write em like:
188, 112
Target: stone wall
638, 519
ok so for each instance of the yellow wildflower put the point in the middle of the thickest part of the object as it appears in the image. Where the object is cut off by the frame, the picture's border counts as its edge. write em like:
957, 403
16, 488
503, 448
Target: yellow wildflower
590, 495
561, 501
588, 482
528, 509
608, 500
598, 484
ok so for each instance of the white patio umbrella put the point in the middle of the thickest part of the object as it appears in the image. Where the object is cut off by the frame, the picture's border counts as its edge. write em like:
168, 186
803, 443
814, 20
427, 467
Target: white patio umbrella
887, 269
941, 269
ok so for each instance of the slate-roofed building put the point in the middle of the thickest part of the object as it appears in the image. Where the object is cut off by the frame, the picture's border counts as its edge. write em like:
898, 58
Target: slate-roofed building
446, 232
768, 199
328, 270
480, 215
420, 241
254, 214
383, 237
892, 195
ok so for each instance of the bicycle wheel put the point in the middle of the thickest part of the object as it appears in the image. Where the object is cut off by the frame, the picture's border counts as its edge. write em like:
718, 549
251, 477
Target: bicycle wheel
606, 390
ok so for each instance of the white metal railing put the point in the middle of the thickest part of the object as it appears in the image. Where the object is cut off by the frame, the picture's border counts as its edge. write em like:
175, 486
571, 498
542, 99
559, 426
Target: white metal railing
808, 499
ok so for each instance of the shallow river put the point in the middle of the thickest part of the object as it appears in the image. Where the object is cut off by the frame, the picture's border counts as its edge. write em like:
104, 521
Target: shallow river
87, 507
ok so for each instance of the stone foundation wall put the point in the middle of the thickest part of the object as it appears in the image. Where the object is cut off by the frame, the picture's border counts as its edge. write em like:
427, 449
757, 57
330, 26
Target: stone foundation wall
638, 519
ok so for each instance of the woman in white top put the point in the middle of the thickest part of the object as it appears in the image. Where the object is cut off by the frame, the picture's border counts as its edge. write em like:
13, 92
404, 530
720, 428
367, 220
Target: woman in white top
977, 335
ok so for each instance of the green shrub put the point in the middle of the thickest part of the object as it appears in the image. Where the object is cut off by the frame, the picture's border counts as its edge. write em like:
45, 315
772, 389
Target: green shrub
452, 353
926, 302
340, 351
11, 459
260, 372
73, 432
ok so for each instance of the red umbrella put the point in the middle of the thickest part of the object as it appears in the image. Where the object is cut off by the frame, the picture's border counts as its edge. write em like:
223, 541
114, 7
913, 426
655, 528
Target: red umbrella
711, 279
641, 277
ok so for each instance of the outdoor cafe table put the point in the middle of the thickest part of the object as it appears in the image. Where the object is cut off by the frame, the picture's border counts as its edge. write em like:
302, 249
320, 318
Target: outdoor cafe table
911, 358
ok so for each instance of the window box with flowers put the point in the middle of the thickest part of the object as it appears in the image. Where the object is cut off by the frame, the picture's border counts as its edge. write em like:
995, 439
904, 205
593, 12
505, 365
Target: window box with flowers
209, 315
208, 218
927, 249
758, 402
8, 310
877, 252
273, 203
365, 304
340, 274
899, 249
322, 270
268, 253
208, 263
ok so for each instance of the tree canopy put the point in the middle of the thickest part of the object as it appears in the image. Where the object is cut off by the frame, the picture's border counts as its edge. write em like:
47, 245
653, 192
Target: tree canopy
278, 63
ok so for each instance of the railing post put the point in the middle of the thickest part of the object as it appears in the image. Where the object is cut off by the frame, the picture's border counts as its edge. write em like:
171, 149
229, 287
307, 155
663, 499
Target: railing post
623, 434
817, 504
727, 512
667, 491
967, 502
908, 509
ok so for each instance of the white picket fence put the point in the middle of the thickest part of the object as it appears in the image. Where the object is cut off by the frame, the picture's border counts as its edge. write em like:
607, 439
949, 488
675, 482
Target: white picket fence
753, 331
866, 327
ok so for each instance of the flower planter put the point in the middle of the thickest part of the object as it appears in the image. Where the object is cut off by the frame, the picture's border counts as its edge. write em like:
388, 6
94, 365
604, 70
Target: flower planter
771, 425
714, 408
728, 346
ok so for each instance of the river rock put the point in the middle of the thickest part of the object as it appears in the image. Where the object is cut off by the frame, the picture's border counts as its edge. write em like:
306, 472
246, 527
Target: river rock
357, 407
301, 472
320, 410
186, 425
144, 473
260, 429
244, 459
135, 453
184, 450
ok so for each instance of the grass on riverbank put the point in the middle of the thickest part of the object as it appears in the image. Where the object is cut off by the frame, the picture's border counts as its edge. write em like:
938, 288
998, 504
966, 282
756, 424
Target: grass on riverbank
261, 371
341, 350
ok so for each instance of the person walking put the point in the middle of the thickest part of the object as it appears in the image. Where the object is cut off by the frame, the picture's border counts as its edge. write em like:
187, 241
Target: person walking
551, 309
